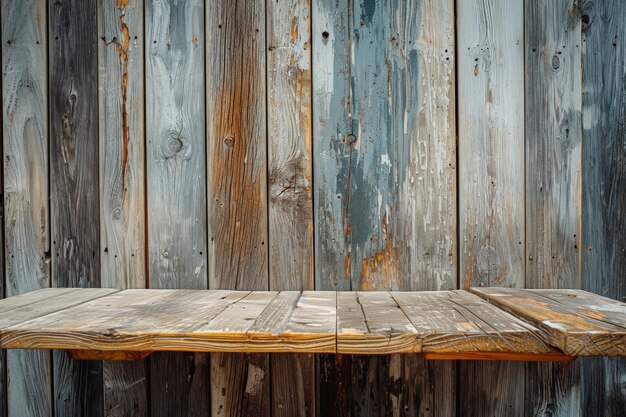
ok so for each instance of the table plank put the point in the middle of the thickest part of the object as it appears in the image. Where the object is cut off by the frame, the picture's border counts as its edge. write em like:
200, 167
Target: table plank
575, 321
372, 322
456, 321
108, 320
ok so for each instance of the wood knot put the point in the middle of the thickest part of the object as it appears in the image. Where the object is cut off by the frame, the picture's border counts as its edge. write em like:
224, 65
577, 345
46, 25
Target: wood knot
556, 62
351, 138
229, 140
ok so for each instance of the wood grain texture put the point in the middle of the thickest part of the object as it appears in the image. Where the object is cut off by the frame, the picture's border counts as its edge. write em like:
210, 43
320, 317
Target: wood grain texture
237, 186
289, 145
553, 125
176, 175
25, 174
490, 85
236, 175
3, 375
74, 202
553, 144
383, 79
604, 186
176, 144
175, 320
122, 179
576, 322
491, 142
290, 186
122, 147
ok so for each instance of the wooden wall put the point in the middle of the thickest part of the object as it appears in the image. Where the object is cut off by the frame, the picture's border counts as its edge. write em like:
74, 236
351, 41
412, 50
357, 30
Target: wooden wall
300, 144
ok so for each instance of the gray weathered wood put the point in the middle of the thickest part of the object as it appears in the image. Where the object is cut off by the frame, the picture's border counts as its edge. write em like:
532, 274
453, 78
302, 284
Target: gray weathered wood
175, 125
553, 144
491, 142
122, 135
237, 187
74, 202
604, 186
3, 375
122, 179
25, 175
491, 178
290, 186
553, 125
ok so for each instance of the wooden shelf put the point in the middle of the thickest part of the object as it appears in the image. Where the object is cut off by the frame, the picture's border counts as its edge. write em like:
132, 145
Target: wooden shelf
126, 325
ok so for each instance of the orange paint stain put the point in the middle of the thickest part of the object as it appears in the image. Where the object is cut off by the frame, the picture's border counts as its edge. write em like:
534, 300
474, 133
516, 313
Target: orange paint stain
382, 264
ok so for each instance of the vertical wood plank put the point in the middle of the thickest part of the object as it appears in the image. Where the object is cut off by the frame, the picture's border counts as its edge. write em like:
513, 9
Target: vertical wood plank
491, 142
237, 187
553, 144
384, 172
491, 180
122, 178
74, 202
25, 174
604, 187
553, 181
330, 39
175, 126
290, 187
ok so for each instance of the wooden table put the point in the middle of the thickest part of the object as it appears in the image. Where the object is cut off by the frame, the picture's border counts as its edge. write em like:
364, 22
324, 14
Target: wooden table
492, 323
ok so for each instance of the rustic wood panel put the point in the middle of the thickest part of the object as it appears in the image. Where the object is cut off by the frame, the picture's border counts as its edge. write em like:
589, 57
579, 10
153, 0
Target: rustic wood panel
380, 157
3, 375
25, 175
74, 202
122, 180
290, 186
491, 142
490, 81
553, 126
604, 186
175, 125
330, 39
553, 144
237, 187
577, 322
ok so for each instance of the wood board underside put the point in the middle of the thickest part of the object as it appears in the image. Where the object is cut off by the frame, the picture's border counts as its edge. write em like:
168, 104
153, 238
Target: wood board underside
294, 321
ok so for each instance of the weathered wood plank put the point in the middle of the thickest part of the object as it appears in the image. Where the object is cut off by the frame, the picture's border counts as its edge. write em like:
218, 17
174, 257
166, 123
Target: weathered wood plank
380, 154
113, 355
290, 181
237, 186
373, 323
176, 152
32, 305
455, 321
330, 39
122, 150
182, 320
74, 200
25, 177
552, 356
122, 179
3, 375
553, 144
553, 126
491, 178
491, 142
604, 186
289, 145
574, 321
175, 125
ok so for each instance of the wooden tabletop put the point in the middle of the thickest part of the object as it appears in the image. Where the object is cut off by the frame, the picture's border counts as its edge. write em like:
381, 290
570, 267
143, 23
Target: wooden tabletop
314, 321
